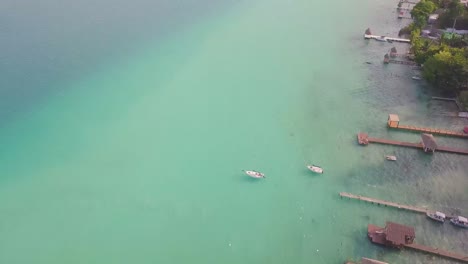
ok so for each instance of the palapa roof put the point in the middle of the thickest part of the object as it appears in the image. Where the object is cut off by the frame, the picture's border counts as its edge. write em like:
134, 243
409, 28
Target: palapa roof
397, 233
393, 117
428, 141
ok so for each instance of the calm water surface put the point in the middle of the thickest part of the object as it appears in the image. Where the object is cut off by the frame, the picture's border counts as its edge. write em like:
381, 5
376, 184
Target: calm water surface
125, 127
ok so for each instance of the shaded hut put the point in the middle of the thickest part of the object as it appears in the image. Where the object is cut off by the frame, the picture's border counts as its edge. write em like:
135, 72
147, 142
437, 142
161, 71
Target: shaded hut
386, 59
392, 235
393, 120
428, 143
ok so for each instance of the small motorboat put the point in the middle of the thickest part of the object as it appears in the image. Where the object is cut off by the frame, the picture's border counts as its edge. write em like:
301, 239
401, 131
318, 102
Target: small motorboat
436, 216
417, 78
254, 174
315, 169
459, 221
391, 158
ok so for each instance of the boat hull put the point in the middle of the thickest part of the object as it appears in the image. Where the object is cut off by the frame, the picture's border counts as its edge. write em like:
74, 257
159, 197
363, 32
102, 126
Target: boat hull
458, 224
436, 219
255, 174
315, 169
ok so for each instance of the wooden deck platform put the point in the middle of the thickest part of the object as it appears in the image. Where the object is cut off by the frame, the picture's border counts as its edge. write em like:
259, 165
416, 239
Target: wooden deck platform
383, 202
400, 236
364, 139
409, 63
438, 252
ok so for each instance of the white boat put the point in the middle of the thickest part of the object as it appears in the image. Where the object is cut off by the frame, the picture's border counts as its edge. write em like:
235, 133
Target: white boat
254, 174
460, 221
391, 158
436, 216
315, 169
416, 78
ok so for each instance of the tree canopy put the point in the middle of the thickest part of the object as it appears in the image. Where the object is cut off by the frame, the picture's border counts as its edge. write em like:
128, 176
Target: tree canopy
421, 11
447, 69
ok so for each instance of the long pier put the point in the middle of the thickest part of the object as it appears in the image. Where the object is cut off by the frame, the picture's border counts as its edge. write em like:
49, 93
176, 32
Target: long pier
383, 202
455, 114
366, 36
459, 105
438, 252
364, 139
442, 132
408, 2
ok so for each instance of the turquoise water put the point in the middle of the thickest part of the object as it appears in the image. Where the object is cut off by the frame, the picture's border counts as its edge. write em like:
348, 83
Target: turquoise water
131, 145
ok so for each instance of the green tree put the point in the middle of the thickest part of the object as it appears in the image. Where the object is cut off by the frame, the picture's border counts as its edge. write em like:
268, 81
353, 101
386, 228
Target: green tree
447, 70
421, 11
456, 9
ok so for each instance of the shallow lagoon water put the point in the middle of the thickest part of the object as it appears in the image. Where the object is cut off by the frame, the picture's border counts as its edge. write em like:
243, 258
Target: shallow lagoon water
135, 155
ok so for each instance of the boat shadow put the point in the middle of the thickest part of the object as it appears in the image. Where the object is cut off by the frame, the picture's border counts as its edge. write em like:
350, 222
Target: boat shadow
245, 178
310, 174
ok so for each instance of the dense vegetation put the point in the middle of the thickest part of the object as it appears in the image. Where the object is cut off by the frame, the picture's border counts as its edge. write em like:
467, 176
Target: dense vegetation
444, 60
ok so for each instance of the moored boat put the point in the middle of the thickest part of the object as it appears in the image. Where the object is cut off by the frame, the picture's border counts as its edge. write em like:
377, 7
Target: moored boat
436, 216
391, 157
254, 174
459, 221
315, 169
416, 78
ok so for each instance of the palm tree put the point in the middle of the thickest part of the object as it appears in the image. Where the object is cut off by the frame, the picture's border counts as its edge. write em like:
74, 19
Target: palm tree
456, 10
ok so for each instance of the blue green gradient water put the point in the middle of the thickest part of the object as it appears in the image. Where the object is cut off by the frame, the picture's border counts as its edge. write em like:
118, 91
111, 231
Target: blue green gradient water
133, 153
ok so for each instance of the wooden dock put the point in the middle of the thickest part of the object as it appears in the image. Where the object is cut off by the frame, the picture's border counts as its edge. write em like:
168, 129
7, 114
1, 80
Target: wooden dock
404, 8
387, 59
455, 114
394, 122
410, 63
442, 132
400, 236
438, 252
366, 36
364, 139
459, 105
408, 2
384, 203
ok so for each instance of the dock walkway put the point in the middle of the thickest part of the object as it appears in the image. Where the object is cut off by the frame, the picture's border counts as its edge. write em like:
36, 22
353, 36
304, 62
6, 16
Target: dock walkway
367, 36
364, 139
394, 142
438, 252
383, 202
442, 132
